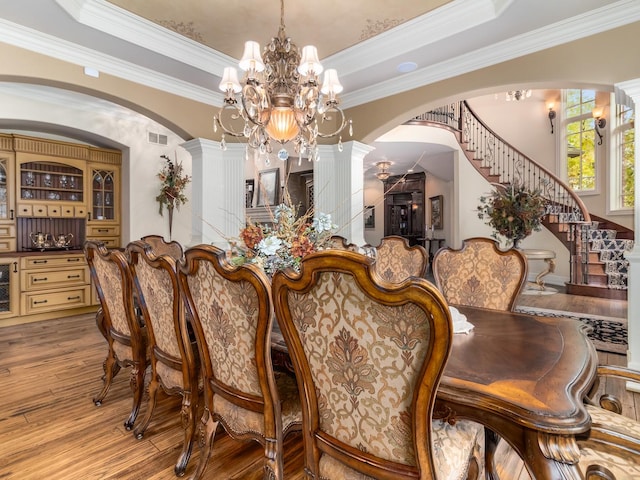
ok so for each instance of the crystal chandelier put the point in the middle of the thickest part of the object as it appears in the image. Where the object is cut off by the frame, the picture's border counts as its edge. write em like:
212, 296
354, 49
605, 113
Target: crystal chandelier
518, 95
280, 98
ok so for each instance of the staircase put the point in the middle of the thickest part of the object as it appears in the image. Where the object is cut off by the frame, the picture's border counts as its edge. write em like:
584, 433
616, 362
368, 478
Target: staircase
597, 264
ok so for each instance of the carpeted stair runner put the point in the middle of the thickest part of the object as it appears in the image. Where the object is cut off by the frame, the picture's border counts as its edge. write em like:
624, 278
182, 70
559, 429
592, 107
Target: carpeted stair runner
611, 251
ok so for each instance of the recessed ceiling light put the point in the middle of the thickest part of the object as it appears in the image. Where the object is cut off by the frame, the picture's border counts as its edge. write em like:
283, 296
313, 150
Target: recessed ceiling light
410, 170
406, 67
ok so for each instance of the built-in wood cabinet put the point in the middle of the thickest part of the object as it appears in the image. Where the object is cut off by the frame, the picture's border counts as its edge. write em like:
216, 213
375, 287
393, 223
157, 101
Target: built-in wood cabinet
52, 283
404, 207
54, 195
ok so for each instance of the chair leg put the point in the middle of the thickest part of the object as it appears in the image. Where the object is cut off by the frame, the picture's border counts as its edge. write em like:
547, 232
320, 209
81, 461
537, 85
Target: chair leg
273, 464
208, 429
136, 381
491, 440
151, 405
188, 413
110, 368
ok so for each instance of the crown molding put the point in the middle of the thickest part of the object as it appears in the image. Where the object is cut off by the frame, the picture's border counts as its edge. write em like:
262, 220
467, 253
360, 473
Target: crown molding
113, 20
584, 25
54, 47
448, 20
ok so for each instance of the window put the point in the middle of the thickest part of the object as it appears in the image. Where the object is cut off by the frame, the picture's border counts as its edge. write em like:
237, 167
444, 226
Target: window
623, 185
581, 139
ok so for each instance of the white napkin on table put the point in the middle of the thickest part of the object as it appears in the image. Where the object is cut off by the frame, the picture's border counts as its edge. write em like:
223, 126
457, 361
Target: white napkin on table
460, 323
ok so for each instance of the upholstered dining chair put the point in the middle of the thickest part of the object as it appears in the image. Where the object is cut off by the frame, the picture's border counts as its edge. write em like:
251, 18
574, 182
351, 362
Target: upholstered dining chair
338, 242
230, 308
611, 448
160, 246
480, 274
174, 366
368, 357
397, 261
117, 321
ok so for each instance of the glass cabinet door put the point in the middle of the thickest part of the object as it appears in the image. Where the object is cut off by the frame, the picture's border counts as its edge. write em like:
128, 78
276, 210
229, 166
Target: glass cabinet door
6, 191
9, 287
103, 195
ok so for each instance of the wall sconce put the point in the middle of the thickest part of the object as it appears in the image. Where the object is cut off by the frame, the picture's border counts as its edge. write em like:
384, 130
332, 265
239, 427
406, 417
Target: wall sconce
552, 114
599, 123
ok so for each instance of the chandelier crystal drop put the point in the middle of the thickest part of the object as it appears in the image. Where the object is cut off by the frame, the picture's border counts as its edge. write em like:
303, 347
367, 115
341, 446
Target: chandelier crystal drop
281, 98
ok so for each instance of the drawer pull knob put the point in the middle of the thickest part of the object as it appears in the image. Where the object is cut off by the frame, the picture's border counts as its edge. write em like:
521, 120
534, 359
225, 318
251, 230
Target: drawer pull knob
73, 276
40, 279
77, 297
73, 259
36, 302
103, 230
40, 261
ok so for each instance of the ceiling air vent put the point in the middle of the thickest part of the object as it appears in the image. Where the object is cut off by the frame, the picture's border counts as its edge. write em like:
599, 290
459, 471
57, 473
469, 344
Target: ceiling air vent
157, 138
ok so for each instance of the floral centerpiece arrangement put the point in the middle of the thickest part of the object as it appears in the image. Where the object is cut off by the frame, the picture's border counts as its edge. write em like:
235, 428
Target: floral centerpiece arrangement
172, 185
513, 210
284, 244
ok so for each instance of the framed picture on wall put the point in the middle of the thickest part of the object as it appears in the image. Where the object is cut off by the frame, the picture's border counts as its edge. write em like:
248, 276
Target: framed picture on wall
248, 193
436, 212
369, 215
268, 185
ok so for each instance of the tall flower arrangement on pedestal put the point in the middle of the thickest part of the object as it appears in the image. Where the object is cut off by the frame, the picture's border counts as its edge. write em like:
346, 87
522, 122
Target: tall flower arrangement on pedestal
172, 185
513, 210
286, 242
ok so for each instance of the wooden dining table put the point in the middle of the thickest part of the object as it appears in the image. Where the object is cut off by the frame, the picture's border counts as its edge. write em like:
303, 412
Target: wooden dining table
523, 377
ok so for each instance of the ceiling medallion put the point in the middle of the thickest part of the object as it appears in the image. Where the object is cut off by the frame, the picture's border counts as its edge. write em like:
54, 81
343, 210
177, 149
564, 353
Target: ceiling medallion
281, 98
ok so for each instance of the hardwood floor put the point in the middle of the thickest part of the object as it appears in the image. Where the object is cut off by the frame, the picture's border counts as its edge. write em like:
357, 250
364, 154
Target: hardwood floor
50, 428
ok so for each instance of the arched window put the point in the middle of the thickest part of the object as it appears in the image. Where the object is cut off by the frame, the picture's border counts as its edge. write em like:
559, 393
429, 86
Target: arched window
580, 138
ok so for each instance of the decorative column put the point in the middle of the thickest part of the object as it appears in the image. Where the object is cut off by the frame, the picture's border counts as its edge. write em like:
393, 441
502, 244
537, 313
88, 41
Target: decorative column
338, 184
217, 206
632, 90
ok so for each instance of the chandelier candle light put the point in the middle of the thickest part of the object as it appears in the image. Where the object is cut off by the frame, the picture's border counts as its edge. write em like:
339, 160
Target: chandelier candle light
280, 98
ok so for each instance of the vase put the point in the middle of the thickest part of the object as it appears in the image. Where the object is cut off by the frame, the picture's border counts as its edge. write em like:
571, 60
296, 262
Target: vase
170, 212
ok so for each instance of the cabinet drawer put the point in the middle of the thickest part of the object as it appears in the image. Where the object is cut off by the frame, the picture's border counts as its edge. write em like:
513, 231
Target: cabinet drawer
40, 210
80, 211
25, 210
52, 261
109, 242
94, 231
7, 231
39, 280
54, 211
8, 244
68, 211
55, 300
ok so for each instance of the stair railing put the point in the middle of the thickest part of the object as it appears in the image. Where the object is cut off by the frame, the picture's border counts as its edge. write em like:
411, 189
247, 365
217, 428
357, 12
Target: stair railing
492, 154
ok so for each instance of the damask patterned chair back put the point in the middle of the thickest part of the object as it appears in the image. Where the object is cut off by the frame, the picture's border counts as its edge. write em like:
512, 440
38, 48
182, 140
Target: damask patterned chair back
368, 357
117, 321
480, 274
340, 243
231, 312
396, 260
160, 246
173, 360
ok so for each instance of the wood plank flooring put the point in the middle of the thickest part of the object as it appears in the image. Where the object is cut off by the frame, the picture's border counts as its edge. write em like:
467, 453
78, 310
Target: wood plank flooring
50, 428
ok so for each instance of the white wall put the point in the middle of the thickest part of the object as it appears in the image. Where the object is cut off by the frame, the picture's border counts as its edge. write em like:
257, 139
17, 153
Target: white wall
85, 118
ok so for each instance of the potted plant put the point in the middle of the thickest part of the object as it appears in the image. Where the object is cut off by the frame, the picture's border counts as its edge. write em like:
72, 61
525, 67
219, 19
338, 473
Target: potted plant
513, 211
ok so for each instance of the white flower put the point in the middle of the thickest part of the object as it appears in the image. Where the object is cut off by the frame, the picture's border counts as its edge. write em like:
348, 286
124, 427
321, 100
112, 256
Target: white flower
322, 223
269, 246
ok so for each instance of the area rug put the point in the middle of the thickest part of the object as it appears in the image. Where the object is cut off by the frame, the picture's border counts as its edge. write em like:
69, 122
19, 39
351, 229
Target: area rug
609, 334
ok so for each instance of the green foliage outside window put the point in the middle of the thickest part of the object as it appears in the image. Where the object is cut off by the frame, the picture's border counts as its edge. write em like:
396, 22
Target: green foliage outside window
627, 157
581, 139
